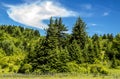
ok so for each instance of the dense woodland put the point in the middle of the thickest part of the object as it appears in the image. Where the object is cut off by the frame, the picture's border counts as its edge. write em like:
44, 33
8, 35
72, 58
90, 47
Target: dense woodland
24, 50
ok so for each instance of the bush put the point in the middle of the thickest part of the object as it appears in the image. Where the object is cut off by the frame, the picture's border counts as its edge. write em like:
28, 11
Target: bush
115, 63
74, 67
98, 69
37, 71
26, 68
86, 66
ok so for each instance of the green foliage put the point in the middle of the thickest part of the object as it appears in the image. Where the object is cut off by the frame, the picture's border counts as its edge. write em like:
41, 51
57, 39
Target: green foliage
79, 33
98, 69
75, 52
15, 44
26, 68
73, 67
23, 50
114, 62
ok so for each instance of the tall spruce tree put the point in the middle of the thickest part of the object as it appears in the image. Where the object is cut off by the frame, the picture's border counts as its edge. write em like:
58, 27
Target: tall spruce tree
79, 33
49, 55
56, 33
78, 41
61, 33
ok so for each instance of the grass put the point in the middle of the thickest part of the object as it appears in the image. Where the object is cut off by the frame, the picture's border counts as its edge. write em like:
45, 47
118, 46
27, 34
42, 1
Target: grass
58, 76
114, 74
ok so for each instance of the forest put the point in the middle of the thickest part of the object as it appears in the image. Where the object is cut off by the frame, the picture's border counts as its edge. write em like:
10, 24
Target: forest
24, 50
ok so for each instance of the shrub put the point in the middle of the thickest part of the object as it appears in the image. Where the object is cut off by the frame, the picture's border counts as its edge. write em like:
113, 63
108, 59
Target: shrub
74, 67
98, 69
26, 68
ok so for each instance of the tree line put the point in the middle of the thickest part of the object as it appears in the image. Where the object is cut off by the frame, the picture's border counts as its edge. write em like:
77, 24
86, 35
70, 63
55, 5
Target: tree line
24, 50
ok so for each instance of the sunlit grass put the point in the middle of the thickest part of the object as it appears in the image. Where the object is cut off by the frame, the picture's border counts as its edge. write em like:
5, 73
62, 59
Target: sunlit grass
114, 74
60, 77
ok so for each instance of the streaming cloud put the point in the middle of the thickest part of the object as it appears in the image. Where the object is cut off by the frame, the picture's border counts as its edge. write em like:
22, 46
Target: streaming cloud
33, 14
93, 24
86, 6
105, 14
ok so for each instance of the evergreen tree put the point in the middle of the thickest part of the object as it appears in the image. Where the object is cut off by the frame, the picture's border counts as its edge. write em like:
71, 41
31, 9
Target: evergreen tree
79, 33
110, 37
51, 37
104, 36
61, 33
50, 53
91, 53
23, 50
95, 37
75, 52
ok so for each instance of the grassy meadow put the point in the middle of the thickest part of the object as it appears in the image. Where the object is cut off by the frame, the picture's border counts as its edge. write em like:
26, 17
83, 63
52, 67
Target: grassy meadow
113, 74
61, 77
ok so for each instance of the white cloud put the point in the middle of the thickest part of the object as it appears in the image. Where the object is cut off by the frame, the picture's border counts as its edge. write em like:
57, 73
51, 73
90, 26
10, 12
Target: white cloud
86, 6
93, 24
105, 13
33, 14
86, 10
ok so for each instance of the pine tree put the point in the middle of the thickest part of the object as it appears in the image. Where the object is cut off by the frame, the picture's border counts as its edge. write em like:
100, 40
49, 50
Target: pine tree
95, 37
61, 33
56, 33
110, 37
91, 53
75, 52
49, 55
104, 36
51, 37
79, 33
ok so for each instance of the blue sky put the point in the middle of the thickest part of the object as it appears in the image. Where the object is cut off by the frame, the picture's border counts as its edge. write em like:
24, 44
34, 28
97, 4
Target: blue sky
101, 16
